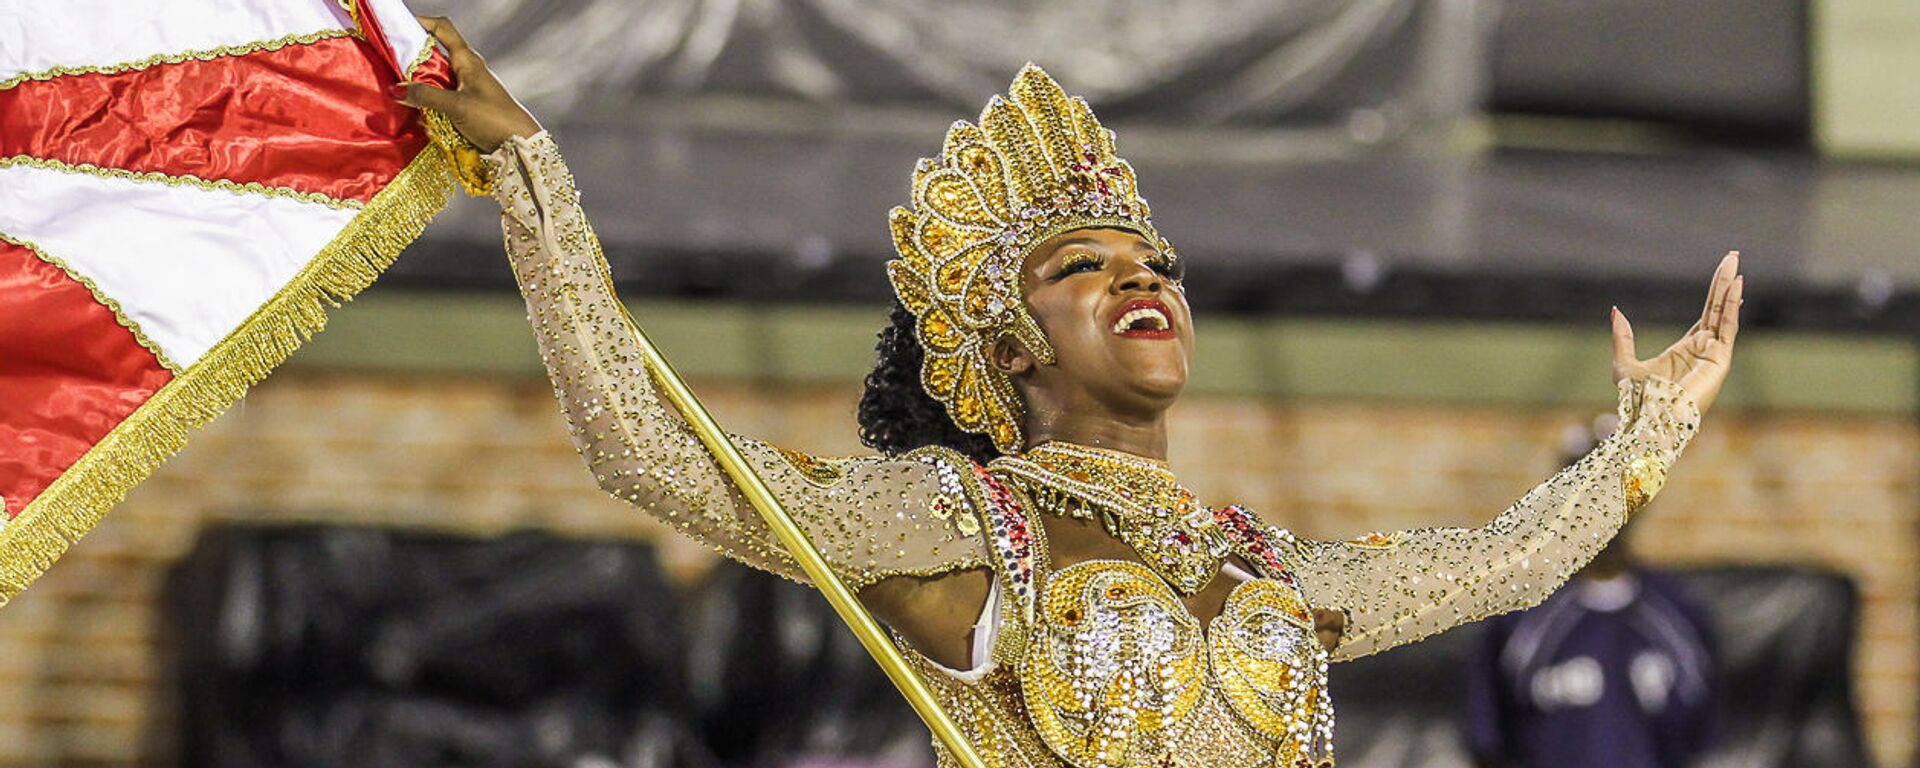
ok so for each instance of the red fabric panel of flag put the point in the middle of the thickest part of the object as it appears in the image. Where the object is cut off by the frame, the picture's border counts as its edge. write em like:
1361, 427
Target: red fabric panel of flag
185, 185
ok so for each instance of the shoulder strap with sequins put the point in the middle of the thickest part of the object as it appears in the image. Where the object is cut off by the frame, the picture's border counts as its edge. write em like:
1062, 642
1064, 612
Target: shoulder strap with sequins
1013, 539
1260, 543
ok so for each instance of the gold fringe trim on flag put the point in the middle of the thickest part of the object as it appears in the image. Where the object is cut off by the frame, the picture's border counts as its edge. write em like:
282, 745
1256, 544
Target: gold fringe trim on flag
77, 499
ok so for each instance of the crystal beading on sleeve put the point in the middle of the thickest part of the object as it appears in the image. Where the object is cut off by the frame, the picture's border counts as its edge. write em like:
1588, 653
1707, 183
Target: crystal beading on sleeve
871, 517
1400, 587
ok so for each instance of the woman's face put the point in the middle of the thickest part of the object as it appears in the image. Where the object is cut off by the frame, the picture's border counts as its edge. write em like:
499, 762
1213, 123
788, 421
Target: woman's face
1111, 304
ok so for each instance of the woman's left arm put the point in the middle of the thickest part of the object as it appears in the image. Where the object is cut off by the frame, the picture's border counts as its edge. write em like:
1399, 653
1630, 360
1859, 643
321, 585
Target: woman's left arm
1401, 587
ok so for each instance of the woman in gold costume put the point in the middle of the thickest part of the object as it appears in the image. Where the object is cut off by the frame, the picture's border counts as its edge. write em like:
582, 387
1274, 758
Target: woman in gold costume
1067, 600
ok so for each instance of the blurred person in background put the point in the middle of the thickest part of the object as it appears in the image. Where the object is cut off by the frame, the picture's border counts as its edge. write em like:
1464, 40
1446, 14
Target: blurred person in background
1066, 600
1615, 670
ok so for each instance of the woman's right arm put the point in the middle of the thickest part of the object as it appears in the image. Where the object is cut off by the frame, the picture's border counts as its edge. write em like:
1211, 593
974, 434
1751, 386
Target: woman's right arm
873, 518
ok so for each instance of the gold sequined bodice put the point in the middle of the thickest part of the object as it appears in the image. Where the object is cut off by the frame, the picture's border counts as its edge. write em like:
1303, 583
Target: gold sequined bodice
1116, 668
1100, 664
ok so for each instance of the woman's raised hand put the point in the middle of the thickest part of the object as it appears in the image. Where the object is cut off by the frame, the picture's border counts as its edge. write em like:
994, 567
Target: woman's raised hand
1699, 361
479, 106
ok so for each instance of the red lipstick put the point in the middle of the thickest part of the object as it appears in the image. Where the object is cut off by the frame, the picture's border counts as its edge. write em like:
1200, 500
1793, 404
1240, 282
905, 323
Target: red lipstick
1142, 319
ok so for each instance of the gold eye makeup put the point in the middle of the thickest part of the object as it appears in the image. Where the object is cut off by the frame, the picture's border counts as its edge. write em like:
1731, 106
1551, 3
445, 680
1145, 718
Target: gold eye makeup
1079, 260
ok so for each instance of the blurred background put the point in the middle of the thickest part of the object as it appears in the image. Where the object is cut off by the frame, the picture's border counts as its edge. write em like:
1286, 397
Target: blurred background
1405, 221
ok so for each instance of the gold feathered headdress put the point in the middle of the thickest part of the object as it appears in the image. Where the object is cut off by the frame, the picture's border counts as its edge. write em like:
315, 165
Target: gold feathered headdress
1037, 164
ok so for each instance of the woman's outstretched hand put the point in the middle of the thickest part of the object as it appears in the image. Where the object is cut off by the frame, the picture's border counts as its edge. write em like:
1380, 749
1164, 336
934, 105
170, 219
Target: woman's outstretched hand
1699, 361
479, 106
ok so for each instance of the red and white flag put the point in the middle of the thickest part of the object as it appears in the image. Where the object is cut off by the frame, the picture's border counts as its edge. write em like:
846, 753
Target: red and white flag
185, 185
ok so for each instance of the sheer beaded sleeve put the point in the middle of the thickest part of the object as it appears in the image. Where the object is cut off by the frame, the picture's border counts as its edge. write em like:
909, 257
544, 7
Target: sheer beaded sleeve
871, 517
1401, 587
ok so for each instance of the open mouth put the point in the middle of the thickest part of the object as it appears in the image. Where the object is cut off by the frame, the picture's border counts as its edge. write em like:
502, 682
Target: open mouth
1143, 319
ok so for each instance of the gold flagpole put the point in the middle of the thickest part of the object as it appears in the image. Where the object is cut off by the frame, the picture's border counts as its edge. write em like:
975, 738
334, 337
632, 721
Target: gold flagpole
844, 603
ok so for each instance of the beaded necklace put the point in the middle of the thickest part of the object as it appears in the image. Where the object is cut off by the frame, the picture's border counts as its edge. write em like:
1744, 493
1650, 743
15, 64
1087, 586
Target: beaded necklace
1136, 499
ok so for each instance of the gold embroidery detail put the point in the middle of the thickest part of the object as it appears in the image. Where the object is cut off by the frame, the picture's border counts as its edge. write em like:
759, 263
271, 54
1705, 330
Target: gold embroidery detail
1643, 479
106, 301
1116, 672
77, 499
184, 180
1378, 540
1114, 667
1270, 666
1136, 500
207, 54
817, 470
960, 498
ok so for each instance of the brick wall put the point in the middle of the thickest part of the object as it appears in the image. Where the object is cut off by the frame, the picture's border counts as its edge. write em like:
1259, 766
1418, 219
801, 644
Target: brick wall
80, 660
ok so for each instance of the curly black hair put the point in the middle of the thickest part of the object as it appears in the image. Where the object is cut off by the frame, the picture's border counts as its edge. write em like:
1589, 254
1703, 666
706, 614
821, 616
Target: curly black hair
896, 413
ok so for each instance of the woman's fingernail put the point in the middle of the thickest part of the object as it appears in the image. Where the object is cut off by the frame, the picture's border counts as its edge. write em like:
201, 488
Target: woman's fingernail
398, 90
